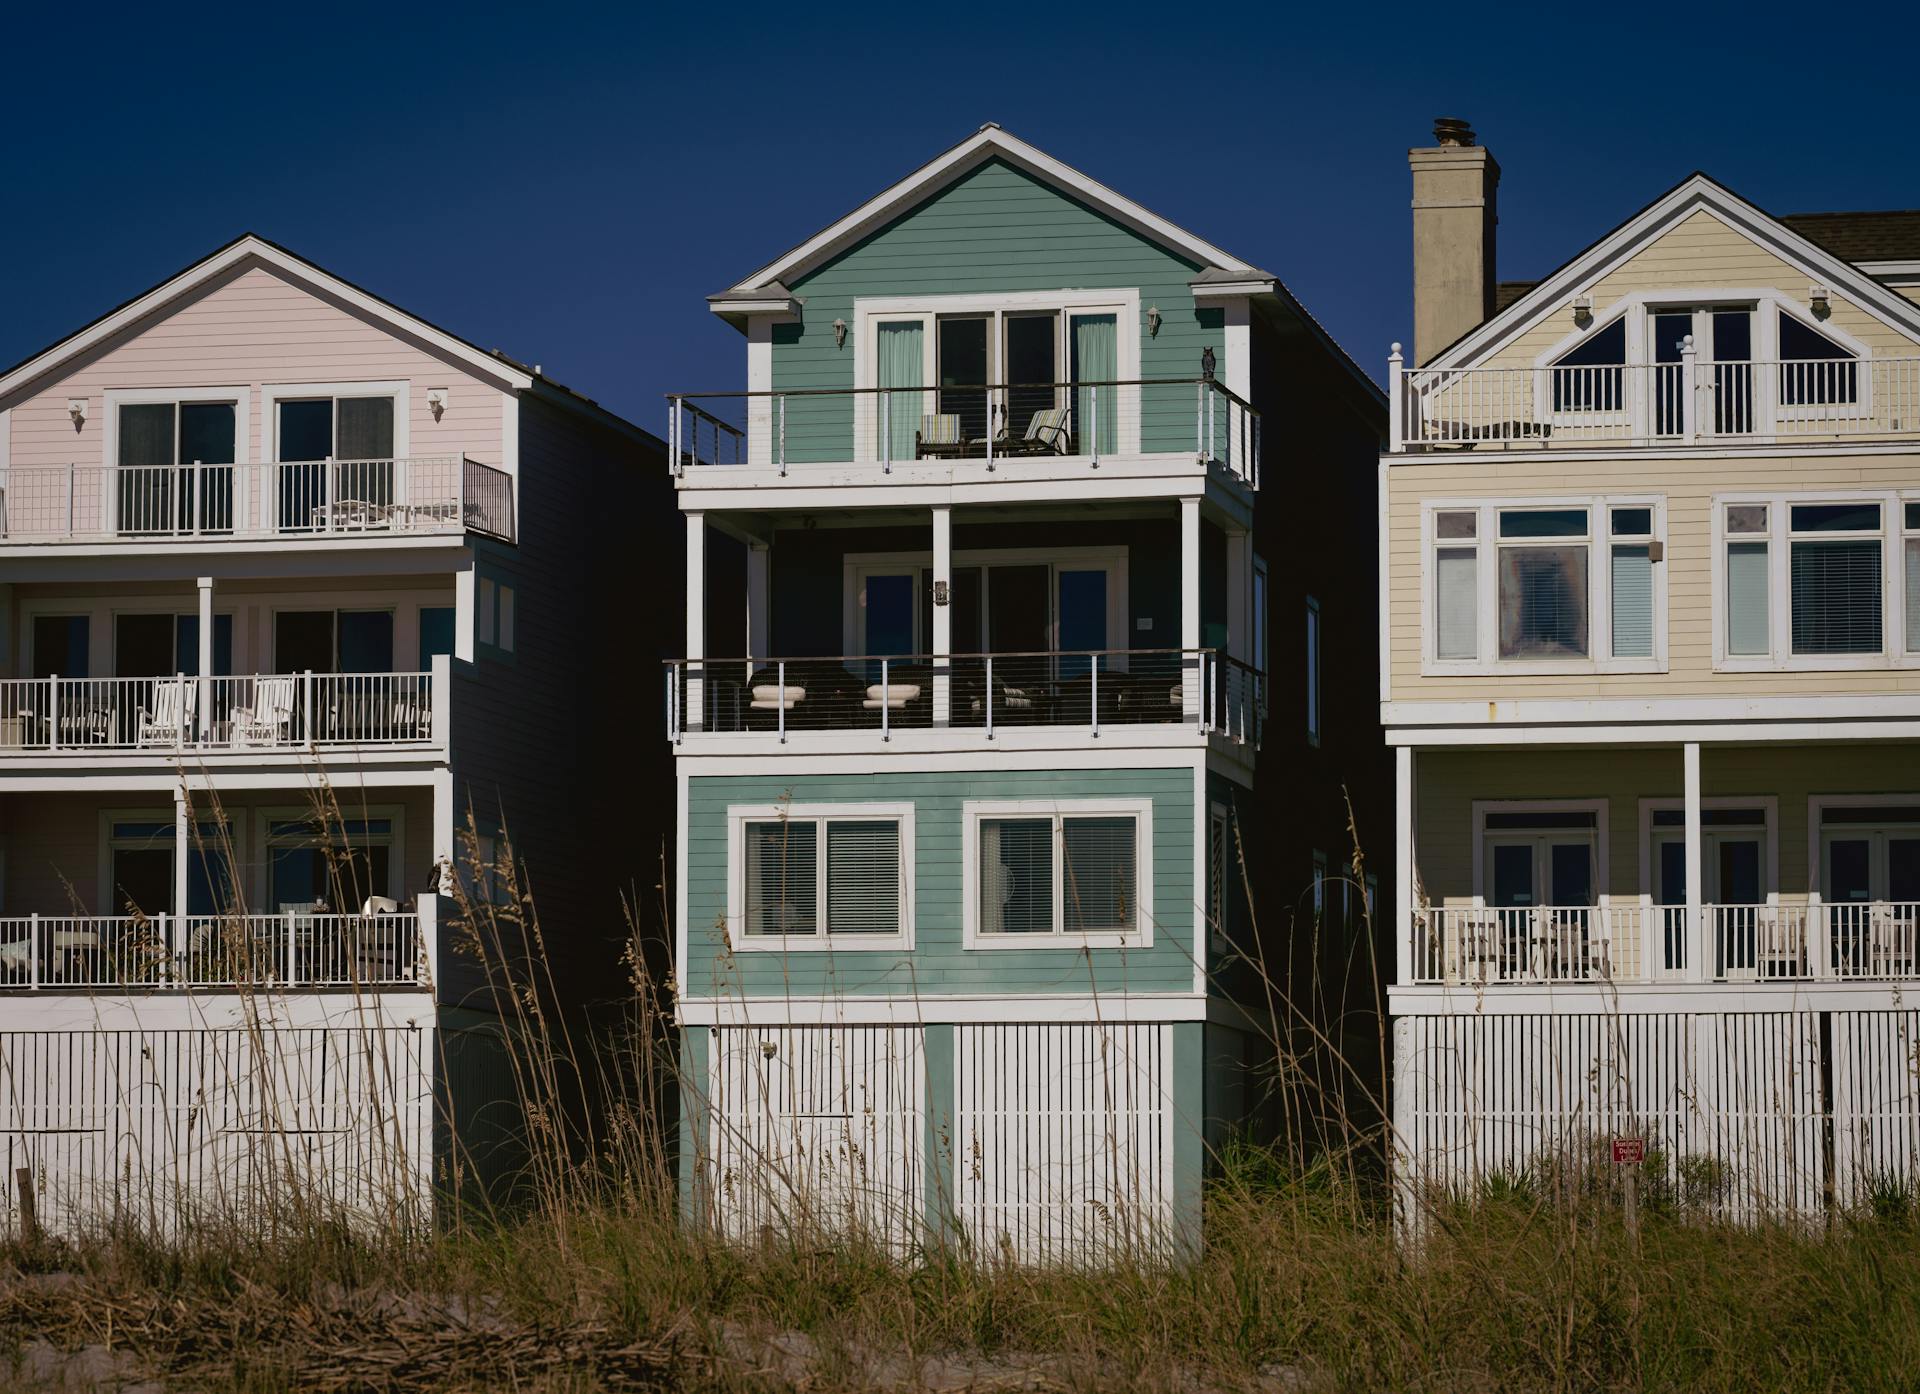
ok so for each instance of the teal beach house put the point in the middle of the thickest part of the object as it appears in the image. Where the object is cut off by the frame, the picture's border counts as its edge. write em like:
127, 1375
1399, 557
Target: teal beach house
1020, 576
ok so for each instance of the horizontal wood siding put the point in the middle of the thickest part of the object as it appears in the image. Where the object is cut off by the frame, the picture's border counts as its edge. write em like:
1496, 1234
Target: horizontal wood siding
939, 964
1688, 484
252, 327
996, 230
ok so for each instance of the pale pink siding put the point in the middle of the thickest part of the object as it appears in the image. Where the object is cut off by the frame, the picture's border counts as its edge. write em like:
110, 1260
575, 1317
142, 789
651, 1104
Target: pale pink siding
258, 327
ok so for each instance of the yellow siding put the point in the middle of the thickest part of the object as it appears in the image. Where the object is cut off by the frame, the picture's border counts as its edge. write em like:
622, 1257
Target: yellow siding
1688, 484
1701, 253
1448, 782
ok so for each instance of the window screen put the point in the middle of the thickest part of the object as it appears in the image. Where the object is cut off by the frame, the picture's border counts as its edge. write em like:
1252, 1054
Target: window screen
781, 877
1099, 865
1633, 602
1016, 876
1913, 595
1748, 628
1543, 602
863, 878
1457, 599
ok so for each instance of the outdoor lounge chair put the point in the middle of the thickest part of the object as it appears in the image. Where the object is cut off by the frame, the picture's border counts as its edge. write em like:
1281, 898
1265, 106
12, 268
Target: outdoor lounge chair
269, 721
940, 437
1046, 435
171, 718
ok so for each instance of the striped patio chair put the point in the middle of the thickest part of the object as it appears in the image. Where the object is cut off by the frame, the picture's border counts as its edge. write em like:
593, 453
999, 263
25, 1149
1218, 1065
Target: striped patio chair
940, 437
1046, 434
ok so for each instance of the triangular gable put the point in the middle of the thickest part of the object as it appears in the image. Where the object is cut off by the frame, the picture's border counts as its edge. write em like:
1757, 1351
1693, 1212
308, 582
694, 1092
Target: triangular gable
242, 250
1692, 195
986, 143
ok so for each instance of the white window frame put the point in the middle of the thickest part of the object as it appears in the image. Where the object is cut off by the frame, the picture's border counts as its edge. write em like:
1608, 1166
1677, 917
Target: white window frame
1906, 535
395, 840
1637, 310
858, 566
274, 393
1779, 535
1817, 806
1486, 546
1769, 831
1602, 850
1122, 302
168, 814
1140, 810
739, 815
1219, 876
238, 397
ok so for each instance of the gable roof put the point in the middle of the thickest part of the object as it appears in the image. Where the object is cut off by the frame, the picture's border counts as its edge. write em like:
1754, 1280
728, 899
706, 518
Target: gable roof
223, 259
1892, 235
951, 165
1525, 306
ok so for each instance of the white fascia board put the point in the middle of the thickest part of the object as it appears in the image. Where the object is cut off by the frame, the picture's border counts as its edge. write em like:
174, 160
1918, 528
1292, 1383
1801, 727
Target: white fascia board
1654, 733
922, 1008
1216, 290
157, 299
770, 306
1898, 270
944, 169
1556, 712
1632, 999
1696, 193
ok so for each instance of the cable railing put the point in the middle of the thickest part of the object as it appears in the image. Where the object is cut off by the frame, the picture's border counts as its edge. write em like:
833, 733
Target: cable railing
1688, 402
297, 948
287, 711
1644, 942
133, 503
982, 692
990, 427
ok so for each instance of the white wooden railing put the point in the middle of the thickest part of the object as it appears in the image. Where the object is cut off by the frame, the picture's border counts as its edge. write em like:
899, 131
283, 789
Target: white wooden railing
1690, 402
1643, 942
131, 503
1213, 693
290, 711
989, 428
295, 950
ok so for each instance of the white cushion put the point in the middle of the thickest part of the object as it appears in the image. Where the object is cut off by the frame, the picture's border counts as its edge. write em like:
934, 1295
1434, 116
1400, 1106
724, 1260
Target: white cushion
769, 693
894, 693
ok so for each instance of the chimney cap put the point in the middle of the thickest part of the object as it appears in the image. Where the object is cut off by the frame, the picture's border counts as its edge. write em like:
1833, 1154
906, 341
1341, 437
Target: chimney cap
1452, 130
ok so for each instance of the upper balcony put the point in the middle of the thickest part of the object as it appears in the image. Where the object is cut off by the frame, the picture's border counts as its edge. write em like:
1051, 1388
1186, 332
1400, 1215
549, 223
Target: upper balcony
1691, 402
980, 432
212, 503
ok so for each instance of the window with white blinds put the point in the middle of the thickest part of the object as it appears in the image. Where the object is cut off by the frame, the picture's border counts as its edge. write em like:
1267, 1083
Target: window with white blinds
1043, 873
1749, 581
1835, 578
1912, 530
1568, 581
808, 875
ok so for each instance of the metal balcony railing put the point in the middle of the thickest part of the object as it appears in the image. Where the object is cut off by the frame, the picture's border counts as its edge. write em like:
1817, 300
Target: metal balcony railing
991, 427
300, 949
312, 498
986, 693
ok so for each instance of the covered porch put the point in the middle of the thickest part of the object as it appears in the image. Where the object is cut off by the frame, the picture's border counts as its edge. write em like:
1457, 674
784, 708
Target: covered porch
1717, 862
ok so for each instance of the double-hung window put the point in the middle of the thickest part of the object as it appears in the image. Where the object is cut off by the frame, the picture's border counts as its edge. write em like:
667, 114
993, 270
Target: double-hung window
1040, 872
1818, 582
821, 875
1549, 585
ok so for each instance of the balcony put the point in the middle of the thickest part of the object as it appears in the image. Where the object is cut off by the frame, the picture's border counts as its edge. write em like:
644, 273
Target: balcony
177, 715
296, 950
1008, 428
1687, 403
214, 502
1199, 689
1474, 946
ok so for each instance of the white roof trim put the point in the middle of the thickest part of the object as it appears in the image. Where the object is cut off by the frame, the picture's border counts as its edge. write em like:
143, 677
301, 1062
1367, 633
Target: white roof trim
224, 260
1890, 268
945, 169
1696, 193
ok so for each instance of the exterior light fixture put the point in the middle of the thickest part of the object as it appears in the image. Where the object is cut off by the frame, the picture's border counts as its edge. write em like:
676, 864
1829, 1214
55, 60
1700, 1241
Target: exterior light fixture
77, 409
1153, 321
839, 333
1583, 310
437, 401
1819, 299
939, 592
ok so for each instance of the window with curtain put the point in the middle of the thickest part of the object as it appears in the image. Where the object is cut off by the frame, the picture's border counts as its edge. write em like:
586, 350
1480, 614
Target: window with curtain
1749, 582
788, 892
1632, 582
1096, 359
1834, 564
900, 362
1064, 873
1543, 583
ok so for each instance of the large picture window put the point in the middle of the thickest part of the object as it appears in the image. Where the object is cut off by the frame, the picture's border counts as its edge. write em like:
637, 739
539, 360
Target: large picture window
813, 876
1040, 872
175, 467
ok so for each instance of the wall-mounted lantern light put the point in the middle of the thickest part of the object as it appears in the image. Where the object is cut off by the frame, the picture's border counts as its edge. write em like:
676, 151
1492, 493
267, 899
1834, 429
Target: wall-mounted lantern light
1583, 310
839, 333
437, 401
1819, 299
1153, 321
77, 409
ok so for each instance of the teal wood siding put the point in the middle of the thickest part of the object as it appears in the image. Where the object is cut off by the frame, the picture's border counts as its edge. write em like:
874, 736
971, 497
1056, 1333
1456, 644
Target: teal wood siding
938, 963
996, 230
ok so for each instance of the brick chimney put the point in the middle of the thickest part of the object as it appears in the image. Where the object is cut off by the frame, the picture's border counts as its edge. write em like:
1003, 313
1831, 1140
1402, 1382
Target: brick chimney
1455, 188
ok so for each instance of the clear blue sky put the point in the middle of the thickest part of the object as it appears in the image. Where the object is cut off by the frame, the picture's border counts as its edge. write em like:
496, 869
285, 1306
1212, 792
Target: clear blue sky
568, 185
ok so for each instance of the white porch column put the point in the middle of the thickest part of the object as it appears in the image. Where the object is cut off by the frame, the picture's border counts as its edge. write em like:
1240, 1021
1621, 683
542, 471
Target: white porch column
1191, 667
182, 845
759, 620
1239, 594
942, 637
1699, 968
1404, 879
464, 620
694, 716
205, 704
